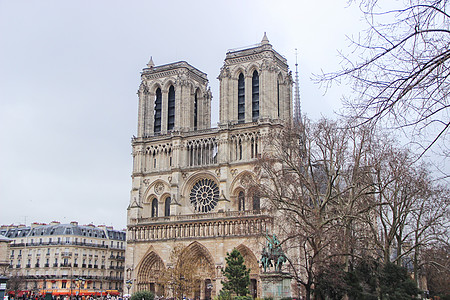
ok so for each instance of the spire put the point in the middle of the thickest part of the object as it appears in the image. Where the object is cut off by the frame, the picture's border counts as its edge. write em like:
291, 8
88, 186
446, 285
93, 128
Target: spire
265, 40
151, 64
297, 107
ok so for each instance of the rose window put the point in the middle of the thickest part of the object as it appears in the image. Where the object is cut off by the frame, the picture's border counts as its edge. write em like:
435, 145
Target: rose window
204, 195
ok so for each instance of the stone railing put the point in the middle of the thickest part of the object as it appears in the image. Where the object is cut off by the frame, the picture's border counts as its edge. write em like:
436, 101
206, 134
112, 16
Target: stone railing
202, 216
224, 224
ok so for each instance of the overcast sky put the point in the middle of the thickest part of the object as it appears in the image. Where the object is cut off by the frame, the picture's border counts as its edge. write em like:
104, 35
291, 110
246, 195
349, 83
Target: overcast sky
69, 72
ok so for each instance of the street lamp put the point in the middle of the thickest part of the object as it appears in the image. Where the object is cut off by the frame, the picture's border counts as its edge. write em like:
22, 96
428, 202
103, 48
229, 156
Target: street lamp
129, 283
80, 281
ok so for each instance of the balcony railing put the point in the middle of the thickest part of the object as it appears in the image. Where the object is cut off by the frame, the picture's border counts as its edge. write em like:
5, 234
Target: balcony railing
16, 245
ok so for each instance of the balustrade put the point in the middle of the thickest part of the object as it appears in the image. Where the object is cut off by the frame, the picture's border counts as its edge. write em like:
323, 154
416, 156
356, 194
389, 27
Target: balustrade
249, 226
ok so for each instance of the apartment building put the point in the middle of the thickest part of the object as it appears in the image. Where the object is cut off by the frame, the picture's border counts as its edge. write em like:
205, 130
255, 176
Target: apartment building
65, 259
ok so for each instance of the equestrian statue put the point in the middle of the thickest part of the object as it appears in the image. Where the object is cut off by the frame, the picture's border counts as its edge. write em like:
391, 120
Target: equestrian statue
272, 255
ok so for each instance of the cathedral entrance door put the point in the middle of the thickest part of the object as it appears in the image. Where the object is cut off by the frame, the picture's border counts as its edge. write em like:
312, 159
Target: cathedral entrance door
253, 288
208, 289
197, 290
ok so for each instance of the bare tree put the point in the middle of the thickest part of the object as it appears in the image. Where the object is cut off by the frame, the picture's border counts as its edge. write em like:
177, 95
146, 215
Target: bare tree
400, 69
15, 283
315, 176
437, 270
412, 210
179, 278
347, 194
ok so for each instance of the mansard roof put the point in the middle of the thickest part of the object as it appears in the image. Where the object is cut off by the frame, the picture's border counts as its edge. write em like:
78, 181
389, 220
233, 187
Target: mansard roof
4, 238
64, 229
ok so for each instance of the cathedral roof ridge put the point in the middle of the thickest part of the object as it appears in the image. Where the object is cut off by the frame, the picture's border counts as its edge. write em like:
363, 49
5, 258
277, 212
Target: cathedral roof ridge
174, 65
261, 47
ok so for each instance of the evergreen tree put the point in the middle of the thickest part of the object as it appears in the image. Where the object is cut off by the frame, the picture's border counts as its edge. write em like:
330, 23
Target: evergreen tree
236, 273
143, 295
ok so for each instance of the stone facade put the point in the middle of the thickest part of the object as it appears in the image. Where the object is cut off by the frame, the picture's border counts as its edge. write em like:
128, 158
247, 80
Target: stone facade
50, 258
4, 255
190, 182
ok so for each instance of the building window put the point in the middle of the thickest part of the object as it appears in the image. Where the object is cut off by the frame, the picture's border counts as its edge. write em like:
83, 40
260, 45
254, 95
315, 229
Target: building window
167, 207
256, 202
241, 201
278, 97
241, 98
154, 208
204, 195
239, 149
255, 96
171, 109
157, 115
196, 109
254, 147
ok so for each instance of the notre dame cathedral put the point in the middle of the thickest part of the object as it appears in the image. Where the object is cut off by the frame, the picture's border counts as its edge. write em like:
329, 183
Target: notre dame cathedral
190, 182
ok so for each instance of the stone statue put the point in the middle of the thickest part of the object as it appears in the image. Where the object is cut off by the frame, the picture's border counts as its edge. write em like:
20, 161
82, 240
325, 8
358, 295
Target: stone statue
272, 253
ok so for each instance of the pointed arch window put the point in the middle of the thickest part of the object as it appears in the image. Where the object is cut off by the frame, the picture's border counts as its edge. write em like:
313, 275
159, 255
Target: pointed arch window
241, 99
196, 110
157, 111
154, 208
171, 109
255, 96
241, 201
256, 202
278, 96
167, 207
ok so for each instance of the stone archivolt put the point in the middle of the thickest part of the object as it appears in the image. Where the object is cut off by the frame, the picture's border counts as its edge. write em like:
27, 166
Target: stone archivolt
199, 258
149, 271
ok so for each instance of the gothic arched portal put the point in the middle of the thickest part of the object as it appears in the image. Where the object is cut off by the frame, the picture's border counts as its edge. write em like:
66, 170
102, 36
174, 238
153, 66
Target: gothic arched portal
201, 267
149, 271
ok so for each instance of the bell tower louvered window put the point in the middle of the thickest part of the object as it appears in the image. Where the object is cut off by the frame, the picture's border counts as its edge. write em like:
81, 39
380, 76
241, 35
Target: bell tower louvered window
157, 109
241, 98
255, 96
196, 110
278, 97
171, 109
